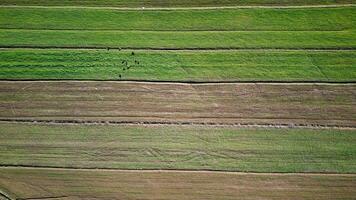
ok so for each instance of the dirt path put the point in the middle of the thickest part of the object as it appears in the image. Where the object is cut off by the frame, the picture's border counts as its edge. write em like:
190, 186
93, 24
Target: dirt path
187, 83
175, 171
184, 8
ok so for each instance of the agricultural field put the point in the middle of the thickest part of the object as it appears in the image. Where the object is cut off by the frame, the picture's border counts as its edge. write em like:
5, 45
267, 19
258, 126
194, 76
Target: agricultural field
305, 104
177, 99
179, 30
104, 184
199, 66
177, 147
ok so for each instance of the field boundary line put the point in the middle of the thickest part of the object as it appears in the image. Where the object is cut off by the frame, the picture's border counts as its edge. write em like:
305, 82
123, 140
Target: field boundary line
186, 50
168, 48
167, 30
188, 82
4, 166
181, 8
176, 123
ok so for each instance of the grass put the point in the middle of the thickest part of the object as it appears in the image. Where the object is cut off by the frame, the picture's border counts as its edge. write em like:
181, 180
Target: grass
182, 29
257, 28
139, 147
300, 19
179, 40
94, 184
170, 3
179, 66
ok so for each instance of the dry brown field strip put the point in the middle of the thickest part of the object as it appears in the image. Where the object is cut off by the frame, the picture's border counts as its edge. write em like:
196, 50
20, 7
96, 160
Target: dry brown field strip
94, 184
163, 102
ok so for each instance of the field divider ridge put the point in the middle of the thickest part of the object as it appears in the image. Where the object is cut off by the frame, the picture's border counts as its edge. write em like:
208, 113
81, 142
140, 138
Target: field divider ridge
177, 123
169, 48
169, 30
182, 8
170, 170
189, 82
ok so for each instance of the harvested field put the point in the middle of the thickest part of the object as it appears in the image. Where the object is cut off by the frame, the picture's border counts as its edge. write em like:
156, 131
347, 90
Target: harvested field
177, 99
178, 147
257, 65
94, 184
158, 102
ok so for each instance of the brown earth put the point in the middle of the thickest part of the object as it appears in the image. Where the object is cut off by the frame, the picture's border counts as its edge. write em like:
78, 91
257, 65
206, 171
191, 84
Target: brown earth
325, 104
28, 183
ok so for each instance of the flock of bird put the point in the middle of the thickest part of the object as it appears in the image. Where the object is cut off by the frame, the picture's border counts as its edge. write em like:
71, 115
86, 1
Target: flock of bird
126, 64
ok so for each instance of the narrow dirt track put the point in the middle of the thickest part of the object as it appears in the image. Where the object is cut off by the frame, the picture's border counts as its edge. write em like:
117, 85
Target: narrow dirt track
273, 82
183, 8
175, 171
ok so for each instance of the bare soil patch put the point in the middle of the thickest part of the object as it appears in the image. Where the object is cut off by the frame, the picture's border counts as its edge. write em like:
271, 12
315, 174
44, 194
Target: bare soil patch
95, 184
208, 103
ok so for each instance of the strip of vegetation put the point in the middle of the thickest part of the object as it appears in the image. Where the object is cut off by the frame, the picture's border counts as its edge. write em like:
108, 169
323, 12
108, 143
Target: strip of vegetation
301, 19
180, 40
170, 3
179, 66
138, 147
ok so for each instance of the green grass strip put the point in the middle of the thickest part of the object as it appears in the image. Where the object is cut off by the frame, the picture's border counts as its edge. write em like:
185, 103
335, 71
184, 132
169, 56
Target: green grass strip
306, 19
179, 65
137, 147
179, 40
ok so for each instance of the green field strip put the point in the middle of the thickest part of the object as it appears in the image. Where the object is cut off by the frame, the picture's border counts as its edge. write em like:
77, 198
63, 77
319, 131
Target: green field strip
179, 65
299, 19
170, 3
197, 148
179, 40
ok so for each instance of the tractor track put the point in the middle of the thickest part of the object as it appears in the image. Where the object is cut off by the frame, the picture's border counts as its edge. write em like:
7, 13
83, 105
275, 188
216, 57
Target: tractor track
5, 196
